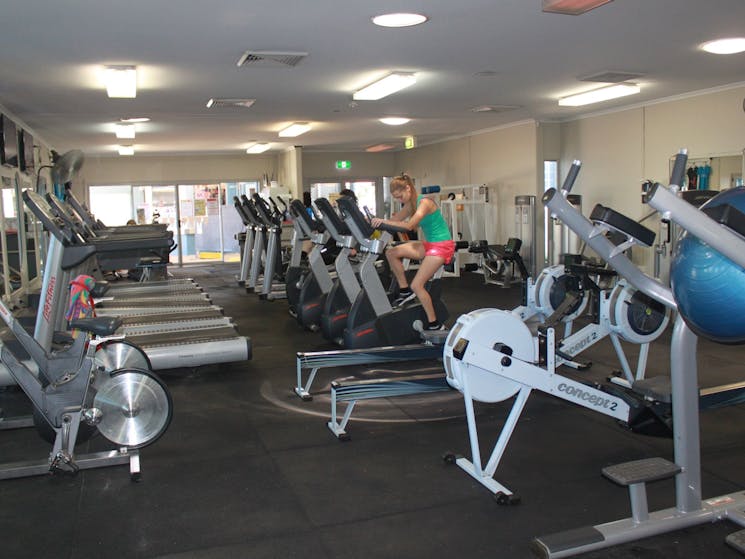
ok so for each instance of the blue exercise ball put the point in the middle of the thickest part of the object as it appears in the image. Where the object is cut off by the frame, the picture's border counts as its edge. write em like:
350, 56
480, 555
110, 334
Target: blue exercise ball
708, 287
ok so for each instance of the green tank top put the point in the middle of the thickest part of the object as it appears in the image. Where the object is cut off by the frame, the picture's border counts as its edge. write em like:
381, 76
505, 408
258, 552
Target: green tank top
434, 226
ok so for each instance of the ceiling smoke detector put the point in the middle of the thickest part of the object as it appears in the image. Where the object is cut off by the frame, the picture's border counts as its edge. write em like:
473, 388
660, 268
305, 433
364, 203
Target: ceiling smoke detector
611, 76
267, 59
217, 103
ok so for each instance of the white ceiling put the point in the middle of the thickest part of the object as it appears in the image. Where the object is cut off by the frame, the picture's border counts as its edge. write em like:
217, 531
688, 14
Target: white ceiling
186, 52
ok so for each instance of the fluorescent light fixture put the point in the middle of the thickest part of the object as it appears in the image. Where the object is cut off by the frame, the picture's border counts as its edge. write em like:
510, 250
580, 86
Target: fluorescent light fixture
134, 119
602, 94
379, 147
294, 130
399, 20
121, 81
394, 120
572, 7
382, 88
260, 147
125, 131
126, 150
733, 45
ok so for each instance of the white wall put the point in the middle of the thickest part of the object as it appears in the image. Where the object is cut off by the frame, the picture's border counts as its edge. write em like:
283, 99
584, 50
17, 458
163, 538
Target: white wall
503, 159
322, 165
173, 169
621, 149
706, 125
611, 150
290, 171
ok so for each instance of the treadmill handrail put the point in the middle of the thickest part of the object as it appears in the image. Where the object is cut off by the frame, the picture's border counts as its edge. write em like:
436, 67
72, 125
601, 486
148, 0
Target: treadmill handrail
54, 225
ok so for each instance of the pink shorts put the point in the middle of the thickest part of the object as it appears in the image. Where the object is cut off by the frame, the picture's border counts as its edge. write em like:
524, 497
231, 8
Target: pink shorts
443, 249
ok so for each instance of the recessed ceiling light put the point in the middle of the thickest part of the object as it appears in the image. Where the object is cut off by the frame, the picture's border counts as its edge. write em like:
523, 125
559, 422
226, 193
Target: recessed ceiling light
399, 20
733, 45
380, 147
394, 120
125, 131
121, 81
392, 83
294, 130
133, 120
259, 147
126, 150
602, 94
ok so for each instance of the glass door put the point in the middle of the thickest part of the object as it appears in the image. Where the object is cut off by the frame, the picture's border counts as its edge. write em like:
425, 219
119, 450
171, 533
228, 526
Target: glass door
367, 191
202, 217
209, 221
157, 204
231, 224
201, 221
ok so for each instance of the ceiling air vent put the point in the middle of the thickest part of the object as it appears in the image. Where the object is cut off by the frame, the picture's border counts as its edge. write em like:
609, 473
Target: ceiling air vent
266, 59
610, 76
216, 103
572, 7
494, 108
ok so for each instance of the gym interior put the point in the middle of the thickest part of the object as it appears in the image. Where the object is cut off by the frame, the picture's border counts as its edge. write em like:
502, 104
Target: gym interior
198, 364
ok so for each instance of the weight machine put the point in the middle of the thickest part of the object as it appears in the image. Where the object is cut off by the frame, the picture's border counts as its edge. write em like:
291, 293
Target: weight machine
494, 365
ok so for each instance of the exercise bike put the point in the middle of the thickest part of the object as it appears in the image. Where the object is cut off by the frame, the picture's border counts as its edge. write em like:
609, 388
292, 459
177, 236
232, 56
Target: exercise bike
346, 288
316, 283
79, 390
372, 320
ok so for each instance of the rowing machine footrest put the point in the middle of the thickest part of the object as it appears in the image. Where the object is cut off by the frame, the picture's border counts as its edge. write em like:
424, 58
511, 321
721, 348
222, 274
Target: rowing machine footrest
641, 471
657, 388
737, 540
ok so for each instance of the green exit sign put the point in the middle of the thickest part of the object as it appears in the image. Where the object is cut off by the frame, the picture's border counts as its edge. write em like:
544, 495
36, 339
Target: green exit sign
343, 164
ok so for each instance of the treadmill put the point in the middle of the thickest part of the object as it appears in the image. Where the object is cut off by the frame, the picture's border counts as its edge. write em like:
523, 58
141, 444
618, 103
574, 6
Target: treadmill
145, 243
177, 347
135, 299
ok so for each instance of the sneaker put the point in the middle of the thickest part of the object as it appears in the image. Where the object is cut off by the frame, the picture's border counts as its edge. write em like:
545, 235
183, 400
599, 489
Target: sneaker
436, 327
404, 298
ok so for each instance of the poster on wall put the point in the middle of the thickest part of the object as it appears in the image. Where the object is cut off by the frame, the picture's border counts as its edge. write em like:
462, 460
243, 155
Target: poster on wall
200, 208
187, 207
212, 207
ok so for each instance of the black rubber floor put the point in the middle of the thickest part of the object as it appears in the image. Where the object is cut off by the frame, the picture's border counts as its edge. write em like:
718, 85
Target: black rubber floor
248, 470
